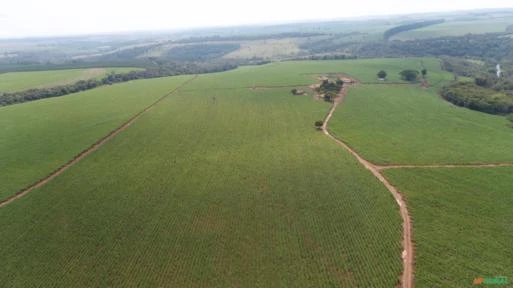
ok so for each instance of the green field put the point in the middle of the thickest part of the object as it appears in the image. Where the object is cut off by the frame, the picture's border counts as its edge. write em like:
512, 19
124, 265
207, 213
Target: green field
307, 72
462, 223
407, 124
65, 128
227, 184
18, 81
40, 136
240, 192
457, 28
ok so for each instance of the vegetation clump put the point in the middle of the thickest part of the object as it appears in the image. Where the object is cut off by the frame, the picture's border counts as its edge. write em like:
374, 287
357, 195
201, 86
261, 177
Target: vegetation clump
382, 75
297, 92
472, 96
330, 89
424, 73
318, 124
402, 28
163, 70
409, 75
201, 52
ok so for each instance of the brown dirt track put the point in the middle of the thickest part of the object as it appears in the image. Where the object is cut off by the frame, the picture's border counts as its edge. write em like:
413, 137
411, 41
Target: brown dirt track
86, 152
408, 252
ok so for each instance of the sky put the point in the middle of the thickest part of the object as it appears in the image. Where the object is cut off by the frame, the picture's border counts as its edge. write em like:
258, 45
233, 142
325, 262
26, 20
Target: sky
22, 18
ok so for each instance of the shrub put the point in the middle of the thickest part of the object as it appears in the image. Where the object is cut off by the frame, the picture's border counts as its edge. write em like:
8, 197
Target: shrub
382, 74
318, 124
409, 75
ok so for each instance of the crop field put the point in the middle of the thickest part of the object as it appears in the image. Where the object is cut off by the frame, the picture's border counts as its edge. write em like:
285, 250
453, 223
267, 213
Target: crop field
225, 183
40, 136
462, 223
67, 128
236, 190
457, 28
408, 124
305, 73
17, 81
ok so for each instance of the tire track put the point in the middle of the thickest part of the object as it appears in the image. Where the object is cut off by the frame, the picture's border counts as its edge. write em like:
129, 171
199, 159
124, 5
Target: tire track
408, 251
91, 149
471, 165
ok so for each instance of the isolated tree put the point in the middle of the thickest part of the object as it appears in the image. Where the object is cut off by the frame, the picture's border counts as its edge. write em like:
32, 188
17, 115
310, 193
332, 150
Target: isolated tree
318, 124
382, 74
424, 73
293, 91
409, 75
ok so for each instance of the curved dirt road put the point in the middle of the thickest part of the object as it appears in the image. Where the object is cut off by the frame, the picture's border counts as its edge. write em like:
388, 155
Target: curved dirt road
407, 255
85, 153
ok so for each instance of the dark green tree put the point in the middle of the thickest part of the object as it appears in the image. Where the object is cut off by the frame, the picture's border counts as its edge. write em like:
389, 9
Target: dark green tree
382, 74
409, 75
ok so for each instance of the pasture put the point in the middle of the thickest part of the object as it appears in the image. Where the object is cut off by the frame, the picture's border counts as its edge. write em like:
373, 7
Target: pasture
240, 191
18, 81
462, 223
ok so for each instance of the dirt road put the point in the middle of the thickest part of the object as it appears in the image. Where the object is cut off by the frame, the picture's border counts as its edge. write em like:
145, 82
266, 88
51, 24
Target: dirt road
408, 251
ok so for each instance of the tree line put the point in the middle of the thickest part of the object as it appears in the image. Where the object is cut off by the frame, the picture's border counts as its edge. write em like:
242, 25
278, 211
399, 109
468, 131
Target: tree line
412, 26
169, 69
492, 46
472, 96
201, 52
216, 38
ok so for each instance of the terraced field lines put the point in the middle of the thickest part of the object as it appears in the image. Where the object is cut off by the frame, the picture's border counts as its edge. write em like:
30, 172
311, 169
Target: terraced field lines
88, 151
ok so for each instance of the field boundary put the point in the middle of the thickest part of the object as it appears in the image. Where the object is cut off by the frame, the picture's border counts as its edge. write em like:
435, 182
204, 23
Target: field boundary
95, 146
470, 165
408, 255
408, 249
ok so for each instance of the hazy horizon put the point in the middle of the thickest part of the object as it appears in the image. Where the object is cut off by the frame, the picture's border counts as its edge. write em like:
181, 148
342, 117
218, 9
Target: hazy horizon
62, 18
